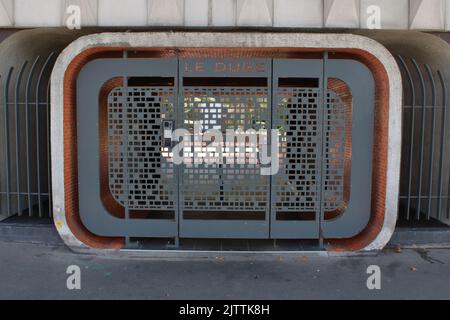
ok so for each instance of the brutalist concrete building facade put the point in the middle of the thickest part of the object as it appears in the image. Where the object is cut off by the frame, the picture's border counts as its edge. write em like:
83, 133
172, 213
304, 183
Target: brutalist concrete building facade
112, 110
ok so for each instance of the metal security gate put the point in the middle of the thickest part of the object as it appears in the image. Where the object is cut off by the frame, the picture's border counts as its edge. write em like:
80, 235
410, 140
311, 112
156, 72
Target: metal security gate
152, 181
424, 187
25, 177
298, 112
229, 198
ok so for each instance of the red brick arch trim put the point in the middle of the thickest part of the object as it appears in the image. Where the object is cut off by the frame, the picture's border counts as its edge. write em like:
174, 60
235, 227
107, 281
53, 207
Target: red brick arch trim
379, 174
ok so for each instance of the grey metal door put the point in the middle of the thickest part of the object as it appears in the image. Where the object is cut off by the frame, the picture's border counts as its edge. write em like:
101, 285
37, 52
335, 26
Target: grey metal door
324, 110
298, 114
127, 180
229, 198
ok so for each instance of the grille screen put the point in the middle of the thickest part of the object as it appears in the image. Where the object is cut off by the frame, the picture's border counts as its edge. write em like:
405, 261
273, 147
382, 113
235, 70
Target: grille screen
297, 185
334, 158
141, 170
237, 186
141, 173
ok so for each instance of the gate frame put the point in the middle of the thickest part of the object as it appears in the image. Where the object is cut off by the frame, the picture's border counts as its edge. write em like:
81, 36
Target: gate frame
95, 216
213, 228
90, 82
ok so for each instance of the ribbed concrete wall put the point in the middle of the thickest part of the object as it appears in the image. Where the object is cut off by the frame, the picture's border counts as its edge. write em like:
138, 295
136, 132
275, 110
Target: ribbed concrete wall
426, 49
23, 46
393, 14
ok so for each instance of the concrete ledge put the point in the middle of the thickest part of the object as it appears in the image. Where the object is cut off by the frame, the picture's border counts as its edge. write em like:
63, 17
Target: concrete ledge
46, 234
410, 237
30, 233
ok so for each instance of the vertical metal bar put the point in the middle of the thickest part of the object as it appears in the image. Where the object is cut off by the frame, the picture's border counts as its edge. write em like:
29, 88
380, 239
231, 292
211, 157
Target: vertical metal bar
322, 122
179, 123
271, 105
38, 153
125, 137
7, 146
49, 160
443, 139
411, 133
27, 134
422, 138
16, 111
433, 130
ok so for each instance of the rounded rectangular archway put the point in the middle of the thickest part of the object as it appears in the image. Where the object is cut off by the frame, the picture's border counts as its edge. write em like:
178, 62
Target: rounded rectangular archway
334, 109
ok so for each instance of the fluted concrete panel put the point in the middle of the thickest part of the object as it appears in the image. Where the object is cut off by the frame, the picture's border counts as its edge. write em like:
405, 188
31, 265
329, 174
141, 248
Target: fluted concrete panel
254, 12
6, 13
387, 13
447, 15
223, 13
42, 13
166, 12
298, 13
196, 12
427, 14
88, 11
122, 13
341, 13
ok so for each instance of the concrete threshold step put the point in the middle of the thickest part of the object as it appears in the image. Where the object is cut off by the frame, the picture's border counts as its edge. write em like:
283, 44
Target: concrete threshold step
45, 233
42, 233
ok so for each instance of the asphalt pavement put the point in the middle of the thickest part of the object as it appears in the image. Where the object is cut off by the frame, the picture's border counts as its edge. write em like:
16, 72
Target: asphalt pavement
34, 271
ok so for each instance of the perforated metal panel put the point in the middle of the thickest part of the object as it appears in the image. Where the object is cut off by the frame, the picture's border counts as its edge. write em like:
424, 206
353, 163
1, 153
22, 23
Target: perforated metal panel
296, 187
230, 198
141, 169
335, 147
237, 183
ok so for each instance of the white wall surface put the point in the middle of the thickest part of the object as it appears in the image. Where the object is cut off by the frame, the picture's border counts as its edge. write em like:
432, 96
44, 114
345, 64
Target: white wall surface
394, 14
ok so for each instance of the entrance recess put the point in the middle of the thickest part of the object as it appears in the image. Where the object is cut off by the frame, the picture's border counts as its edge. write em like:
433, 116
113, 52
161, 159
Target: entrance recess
318, 112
